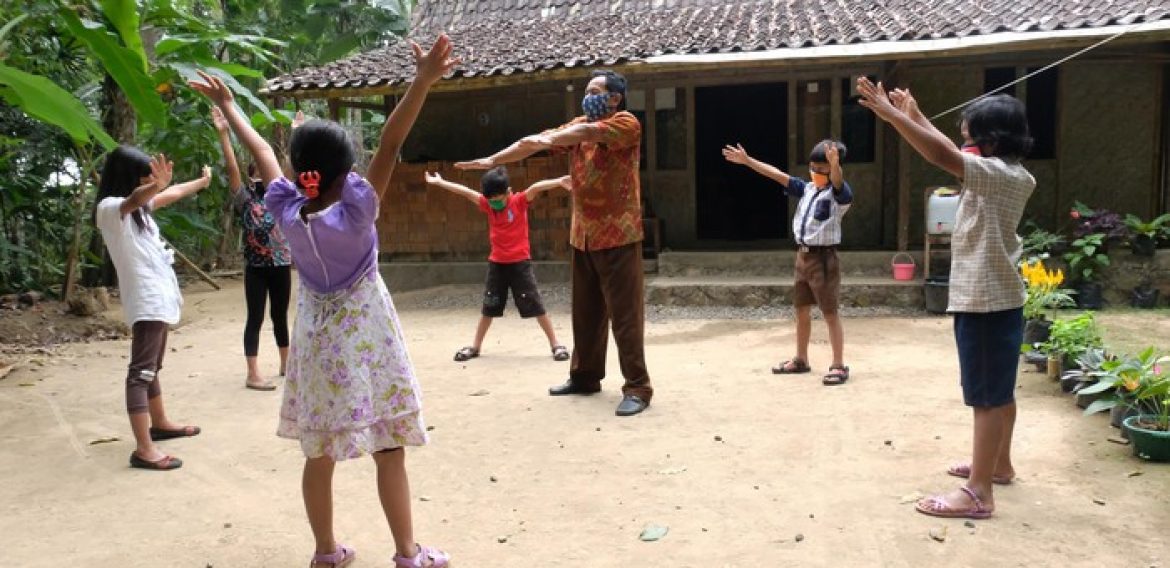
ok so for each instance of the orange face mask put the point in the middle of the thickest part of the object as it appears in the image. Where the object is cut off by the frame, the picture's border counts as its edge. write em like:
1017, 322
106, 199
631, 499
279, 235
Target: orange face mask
820, 180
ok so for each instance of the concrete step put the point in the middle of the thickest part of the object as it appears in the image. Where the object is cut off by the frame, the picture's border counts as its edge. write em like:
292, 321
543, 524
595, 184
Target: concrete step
775, 263
758, 291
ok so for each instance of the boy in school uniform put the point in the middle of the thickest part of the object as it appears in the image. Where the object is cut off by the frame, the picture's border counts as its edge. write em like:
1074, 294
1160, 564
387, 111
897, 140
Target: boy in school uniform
817, 229
509, 265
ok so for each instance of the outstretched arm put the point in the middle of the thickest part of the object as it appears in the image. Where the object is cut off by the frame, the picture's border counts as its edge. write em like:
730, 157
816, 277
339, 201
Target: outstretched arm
160, 177
534, 190
942, 154
235, 180
904, 101
517, 151
457, 188
737, 155
431, 66
179, 191
261, 151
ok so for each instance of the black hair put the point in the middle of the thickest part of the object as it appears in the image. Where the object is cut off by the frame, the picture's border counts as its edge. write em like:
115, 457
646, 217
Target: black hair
818, 152
321, 146
614, 83
999, 126
495, 182
121, 174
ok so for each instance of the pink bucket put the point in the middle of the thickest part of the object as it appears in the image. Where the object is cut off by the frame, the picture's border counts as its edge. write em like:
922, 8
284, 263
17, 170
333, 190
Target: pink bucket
903, 271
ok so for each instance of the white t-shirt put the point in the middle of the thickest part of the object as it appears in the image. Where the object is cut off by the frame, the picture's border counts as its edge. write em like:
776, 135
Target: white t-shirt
146, 281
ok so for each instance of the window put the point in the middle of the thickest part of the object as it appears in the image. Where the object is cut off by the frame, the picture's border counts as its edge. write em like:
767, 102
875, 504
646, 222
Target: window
670, 115
813, 115
858, 125
1041, 107
996, 77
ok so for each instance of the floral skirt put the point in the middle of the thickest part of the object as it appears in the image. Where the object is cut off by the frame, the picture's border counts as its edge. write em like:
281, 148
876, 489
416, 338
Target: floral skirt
351, 388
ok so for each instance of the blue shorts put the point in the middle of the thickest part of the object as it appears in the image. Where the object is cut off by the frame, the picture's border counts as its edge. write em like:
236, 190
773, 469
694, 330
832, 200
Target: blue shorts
989, 355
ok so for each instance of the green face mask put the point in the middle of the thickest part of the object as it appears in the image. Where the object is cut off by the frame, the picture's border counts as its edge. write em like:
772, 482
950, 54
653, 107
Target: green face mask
498, 204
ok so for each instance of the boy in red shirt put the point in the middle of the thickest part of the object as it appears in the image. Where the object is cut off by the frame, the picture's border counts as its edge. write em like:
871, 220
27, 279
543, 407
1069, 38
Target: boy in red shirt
509, 265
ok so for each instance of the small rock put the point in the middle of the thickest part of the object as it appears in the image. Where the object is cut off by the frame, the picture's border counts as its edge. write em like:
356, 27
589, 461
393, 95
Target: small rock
889, 442
1118, 440
106, 440
480, 392
969, 524
501, 539
653, 532
718, 438
799, 537
424, 498
493, 478
430, 428
910, 498
227, 525
704, 529
939, 534
599, 428
938, 437
1134, 473
812, 516
1099, 501
756, 487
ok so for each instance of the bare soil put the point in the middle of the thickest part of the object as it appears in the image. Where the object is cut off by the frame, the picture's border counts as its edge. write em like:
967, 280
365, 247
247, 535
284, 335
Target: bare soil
744, 468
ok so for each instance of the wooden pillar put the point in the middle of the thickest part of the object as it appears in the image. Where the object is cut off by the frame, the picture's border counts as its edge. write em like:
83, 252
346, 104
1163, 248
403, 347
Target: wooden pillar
895, 76
334, 109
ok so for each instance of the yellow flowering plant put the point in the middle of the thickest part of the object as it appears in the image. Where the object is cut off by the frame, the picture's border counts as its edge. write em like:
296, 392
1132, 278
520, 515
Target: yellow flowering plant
1044, 291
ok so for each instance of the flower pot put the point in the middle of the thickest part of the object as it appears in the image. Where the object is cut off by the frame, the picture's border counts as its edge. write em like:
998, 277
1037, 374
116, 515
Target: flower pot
1038, 359
1054, 367
1153, 445
1084, 400
1036, 331
1143, 245
1145, 298
1089, 296
1073, 380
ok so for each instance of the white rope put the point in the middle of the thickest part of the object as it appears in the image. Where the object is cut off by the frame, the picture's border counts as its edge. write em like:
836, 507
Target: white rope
1040, 70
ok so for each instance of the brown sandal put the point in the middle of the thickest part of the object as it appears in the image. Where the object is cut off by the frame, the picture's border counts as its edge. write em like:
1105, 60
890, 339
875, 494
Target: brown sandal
164, 464
837, 375
792, 366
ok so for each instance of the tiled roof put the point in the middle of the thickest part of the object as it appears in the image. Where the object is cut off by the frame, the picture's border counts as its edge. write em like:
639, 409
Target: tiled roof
504, 37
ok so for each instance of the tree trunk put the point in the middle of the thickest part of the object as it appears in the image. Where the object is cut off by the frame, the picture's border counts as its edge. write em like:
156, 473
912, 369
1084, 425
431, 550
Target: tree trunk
120, 122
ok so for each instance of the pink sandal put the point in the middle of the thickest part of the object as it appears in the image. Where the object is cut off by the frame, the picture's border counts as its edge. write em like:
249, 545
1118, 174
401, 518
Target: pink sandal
426, 557
343, 556
937, 507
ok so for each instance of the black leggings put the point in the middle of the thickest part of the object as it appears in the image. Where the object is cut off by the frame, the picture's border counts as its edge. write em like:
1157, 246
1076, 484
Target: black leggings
262, 282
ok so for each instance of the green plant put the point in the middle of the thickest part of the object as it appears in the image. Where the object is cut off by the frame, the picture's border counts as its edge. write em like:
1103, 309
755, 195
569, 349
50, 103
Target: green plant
1154, 228
1072, 337
1043, 290
1087, 258
1039, 243
1141, 382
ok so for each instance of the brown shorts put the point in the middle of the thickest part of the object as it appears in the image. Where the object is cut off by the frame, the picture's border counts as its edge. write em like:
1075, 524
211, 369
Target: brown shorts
818, 279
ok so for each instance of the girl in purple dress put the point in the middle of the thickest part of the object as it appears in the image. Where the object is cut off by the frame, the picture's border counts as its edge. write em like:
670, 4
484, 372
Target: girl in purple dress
351, 388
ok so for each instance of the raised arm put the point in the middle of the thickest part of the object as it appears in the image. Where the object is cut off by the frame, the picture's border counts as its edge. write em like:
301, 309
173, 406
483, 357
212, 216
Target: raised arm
160, 177
836, 175
430, 67
179, 191
534, 190
457, 188
261, 151
941, 153
224, 130
737, 155
904, 101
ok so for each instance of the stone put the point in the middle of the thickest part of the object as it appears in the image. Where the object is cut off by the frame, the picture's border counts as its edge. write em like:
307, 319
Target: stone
938, 534
799, 537
653, 532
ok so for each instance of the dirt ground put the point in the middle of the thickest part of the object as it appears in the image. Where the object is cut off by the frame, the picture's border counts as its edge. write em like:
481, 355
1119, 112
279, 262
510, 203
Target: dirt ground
744, 468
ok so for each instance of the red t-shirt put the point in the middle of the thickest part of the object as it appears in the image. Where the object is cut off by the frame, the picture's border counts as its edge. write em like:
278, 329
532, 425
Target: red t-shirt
508, 229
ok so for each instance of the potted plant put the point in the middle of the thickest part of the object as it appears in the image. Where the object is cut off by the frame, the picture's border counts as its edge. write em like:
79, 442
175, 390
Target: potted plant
1121, 379
1144, 235
1086, 259
1039, 243
1044, 294
1087, 371
1088, 221
1069, 339
1144, 295
1142, 384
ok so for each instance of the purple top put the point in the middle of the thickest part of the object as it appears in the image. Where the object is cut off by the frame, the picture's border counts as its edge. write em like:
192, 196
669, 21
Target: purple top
333, 247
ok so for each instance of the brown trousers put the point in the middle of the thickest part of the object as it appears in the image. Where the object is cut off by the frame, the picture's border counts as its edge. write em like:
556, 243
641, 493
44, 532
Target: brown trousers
147, 348
607, 285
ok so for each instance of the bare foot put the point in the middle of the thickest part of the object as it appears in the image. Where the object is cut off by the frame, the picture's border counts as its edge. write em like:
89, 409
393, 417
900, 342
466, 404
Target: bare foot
259, 383
963, 470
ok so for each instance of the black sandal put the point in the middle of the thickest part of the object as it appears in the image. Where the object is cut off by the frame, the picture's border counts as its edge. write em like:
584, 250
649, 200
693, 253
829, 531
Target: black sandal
792, 366
466, 353
837, 375
560, 353
158, 434
164, 464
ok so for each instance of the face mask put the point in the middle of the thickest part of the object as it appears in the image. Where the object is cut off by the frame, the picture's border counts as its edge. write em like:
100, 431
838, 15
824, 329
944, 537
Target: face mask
971, 149
595, 106
820, 180
498, 205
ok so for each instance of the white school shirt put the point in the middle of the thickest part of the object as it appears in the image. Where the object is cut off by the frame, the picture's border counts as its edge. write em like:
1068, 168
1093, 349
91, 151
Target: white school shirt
817, 222
146, 281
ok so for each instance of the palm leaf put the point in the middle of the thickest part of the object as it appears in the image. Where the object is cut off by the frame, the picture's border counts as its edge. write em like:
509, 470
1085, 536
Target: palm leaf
43, 100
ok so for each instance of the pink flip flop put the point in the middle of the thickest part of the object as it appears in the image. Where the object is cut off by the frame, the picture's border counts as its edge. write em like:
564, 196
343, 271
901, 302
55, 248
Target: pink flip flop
963, 470
426, 557
937, 507
343, 556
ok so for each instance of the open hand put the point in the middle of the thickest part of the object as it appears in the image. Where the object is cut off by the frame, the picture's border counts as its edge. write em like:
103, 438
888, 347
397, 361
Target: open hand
433, 177
298, 119
904, 101
219, 120
160, 171
736, 154
874, 97
206, 177
214, 89
479, 164
833, 154
434, 63
566, 182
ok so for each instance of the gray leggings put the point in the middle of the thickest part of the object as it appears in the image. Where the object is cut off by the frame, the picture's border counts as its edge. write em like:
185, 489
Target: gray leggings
146, 355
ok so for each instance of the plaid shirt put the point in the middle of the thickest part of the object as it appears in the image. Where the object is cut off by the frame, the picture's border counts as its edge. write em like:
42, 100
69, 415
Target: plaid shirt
984, 246
607, 196
817, 222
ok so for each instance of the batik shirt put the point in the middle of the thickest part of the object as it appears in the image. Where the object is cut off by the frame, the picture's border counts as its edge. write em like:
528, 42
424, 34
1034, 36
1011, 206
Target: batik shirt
264, 244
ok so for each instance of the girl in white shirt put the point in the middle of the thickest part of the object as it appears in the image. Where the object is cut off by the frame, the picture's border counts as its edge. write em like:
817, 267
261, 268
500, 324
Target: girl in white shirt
132, 186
